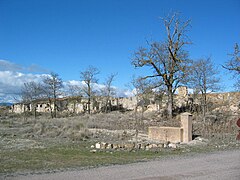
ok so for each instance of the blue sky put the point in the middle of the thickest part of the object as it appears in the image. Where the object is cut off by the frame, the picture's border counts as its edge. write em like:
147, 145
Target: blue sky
67, 36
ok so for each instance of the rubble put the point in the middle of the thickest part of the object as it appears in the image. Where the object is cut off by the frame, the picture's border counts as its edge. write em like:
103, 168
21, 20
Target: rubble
129, 146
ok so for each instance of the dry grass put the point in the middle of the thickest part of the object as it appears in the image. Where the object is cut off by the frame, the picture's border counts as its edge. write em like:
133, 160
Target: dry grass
77, 127
44, 143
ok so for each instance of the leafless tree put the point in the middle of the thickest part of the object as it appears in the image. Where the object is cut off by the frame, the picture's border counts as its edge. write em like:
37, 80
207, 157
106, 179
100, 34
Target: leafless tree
52, 88
89, 78
108, 91
144, 88
142, 91
74, 91
31, 92
233, 65
203, 77
167, 59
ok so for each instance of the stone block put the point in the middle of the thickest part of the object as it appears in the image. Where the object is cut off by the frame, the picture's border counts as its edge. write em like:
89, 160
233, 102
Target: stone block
186, 123
172, 134
97, 145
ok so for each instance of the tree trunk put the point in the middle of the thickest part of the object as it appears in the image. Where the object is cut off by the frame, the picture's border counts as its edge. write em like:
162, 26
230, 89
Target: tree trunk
50, 106
204, 106
106, 106
89, 97
54, 109
35, 111
74, 107
136, 125
108, 103
88, 105
170, 102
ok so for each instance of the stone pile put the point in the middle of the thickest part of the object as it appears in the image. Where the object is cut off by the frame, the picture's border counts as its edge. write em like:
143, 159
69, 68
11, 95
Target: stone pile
130, 146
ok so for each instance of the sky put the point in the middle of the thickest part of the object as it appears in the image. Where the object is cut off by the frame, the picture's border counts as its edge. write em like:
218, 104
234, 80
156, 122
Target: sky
65, 37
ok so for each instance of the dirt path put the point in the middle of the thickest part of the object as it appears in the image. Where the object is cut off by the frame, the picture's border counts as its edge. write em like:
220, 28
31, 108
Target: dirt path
219, 165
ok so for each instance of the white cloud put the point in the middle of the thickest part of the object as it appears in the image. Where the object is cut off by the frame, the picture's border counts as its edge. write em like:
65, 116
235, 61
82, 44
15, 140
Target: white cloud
13, 77
73, 83
96, 87
124, 93
11, 83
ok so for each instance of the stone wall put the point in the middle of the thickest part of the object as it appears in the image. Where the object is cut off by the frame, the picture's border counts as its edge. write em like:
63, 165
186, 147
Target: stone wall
182, 91
173, 134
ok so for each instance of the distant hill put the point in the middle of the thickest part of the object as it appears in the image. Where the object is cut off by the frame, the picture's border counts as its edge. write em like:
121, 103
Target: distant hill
5, 104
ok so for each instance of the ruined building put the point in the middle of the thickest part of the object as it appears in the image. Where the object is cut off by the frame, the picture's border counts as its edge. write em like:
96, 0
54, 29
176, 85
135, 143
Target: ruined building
183, 101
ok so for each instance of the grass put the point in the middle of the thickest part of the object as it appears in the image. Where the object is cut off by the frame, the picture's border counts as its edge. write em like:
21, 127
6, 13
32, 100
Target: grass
69, 156
46, 145
77, 155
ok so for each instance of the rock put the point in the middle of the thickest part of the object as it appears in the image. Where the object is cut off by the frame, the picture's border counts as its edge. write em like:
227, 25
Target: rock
139, 146
115, 146
129, 146
201, 139
165, 145
93, 150
161, 145
98, 145
171, 145
153, 146
121, 146
109, 146
233, 108
92, 146
103, 145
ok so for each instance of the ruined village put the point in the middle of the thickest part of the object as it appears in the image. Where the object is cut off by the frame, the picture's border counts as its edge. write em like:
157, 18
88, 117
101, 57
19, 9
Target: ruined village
146, 111
130, 123
128, 126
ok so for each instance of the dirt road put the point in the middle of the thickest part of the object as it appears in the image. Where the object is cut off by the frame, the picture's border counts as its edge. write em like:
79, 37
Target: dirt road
218, 165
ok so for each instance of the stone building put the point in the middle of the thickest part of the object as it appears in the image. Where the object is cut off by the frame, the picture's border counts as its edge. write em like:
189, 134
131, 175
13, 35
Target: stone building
183, 102
182, 91
75, 105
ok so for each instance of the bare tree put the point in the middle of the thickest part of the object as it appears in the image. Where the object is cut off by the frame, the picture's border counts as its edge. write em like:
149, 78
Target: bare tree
89, 78
74, 91
30, 92
108, 91
233, 65
167, 59
203, 78
52, 88
142, 89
